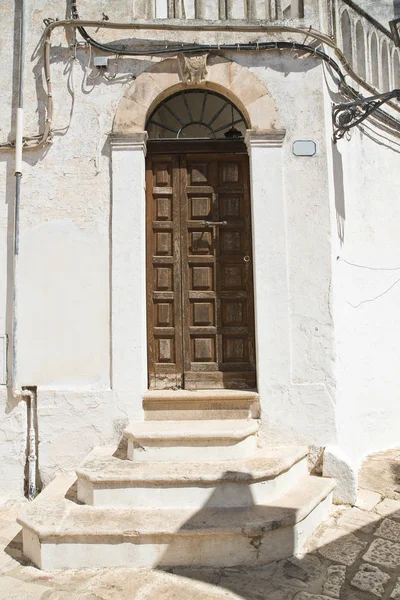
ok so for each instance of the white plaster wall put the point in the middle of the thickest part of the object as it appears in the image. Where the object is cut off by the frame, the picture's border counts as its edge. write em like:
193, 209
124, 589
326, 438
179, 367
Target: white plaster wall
13, 435
64, 320
65, 265
298, 403
7, 183
367, 294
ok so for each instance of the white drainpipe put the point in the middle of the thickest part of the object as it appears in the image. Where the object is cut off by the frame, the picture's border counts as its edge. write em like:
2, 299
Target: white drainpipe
32, 457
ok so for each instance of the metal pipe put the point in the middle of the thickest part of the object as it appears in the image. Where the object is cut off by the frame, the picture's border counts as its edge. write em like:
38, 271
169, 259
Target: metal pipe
18, 177
19, 142
20, 116
31, 406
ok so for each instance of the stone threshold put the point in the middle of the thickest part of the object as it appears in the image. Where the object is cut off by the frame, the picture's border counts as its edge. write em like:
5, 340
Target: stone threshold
201, 404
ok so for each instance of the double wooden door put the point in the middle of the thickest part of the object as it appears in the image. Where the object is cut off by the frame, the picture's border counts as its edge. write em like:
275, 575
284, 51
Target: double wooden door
200, 282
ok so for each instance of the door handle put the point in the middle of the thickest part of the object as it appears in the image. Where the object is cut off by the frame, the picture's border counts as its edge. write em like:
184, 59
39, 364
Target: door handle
213, 223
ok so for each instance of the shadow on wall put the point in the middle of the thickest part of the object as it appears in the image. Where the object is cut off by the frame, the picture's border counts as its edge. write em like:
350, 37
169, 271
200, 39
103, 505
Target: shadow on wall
396, 9
339, 192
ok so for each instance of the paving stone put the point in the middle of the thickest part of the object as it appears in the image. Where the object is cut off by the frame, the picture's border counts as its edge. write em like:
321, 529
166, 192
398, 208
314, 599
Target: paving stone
307, 596
340, 547
367, 499
177, 590
334, 581
13, 589
294, 571
358, 520
247, 583
3, 523
384, 552
206, 574
299, 572
396, 592
370, 579
10, 509
390, 530
6, 562
389, 508
282, 594
107, 584
8, 533
354, 594
380, 472
68, 596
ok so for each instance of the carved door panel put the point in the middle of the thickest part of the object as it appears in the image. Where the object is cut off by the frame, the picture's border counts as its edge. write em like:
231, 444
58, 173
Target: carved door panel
164, 298
200, 297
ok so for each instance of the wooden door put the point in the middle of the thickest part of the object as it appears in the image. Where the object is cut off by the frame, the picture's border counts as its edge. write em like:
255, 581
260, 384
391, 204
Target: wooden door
200, 285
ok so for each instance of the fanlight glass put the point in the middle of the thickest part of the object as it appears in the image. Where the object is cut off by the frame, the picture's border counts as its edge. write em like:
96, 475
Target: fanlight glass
196, 114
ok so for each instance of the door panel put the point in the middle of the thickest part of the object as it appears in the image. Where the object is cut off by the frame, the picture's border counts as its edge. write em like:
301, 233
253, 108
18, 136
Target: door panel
199, 293
163, 273
217, 288
201, 317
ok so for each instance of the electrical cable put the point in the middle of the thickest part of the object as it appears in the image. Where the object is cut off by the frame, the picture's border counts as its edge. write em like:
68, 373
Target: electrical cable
40, 139
187, 48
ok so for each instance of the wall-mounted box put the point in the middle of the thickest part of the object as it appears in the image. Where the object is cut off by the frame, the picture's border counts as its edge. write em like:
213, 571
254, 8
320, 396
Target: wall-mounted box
304, 148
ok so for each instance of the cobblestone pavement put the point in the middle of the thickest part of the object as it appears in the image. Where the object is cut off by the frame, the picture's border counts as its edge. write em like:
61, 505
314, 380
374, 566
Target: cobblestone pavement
355, 555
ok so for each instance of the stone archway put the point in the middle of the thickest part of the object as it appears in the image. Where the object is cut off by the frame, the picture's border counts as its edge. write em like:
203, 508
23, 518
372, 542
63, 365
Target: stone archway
164, 78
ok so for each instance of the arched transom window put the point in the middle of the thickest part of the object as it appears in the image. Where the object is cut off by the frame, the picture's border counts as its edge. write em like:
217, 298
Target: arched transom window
196, 114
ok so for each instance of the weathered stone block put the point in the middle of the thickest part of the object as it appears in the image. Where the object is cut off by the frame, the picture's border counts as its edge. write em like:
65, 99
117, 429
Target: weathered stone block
341, 548
335, 580
371, 579
390, 530
385, 553
358, 520
338, 466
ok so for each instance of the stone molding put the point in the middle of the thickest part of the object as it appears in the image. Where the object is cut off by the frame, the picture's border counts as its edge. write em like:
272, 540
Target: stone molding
133, 141
246, 90
258, 138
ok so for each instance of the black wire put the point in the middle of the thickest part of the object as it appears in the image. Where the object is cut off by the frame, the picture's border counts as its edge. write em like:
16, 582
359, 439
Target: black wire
251, 46
204, 47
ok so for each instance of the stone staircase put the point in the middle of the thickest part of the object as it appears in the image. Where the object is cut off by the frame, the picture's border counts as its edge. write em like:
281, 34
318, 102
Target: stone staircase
191, 485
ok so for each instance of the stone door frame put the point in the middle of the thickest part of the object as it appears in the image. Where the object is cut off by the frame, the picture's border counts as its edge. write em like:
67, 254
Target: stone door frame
128, 231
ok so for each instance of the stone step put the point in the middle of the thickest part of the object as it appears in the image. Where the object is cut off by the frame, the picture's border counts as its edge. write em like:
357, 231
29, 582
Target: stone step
59, 533
207, 440
175, 405
107, 481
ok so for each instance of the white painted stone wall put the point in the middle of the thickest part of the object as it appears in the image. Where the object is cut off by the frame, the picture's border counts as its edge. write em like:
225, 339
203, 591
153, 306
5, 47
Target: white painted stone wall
367, 294
298, 384
364, 175
328, 374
